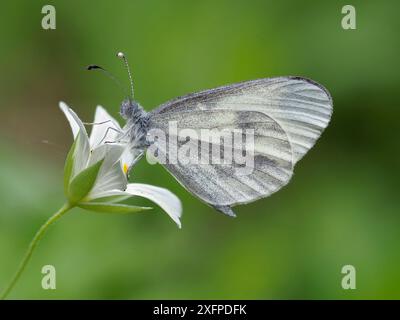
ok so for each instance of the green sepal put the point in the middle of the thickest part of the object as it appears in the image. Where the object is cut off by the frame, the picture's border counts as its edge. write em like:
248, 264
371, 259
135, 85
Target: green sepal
112, 199
81, 185
69, 164
104, 207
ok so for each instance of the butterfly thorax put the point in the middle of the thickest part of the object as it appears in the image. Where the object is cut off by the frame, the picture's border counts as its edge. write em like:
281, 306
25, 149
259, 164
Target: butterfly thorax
136, 123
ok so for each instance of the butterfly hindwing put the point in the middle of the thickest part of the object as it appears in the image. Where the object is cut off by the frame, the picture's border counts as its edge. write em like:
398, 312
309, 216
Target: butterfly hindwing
286, 115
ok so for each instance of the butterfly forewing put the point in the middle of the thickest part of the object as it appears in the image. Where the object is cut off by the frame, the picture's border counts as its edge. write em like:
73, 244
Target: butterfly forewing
285, 114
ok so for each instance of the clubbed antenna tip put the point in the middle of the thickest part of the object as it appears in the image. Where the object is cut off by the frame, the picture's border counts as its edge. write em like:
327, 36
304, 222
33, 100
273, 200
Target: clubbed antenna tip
122, 56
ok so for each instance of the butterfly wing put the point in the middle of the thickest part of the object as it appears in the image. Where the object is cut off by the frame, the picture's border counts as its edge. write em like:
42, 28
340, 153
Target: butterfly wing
286, 114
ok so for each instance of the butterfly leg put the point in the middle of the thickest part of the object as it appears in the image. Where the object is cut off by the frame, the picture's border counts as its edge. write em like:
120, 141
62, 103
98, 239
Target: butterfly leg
106, 133
121, 139
95, 123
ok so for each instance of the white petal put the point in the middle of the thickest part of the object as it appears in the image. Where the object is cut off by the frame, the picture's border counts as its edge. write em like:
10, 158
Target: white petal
111, 175
111, 153
108, 193
126, 159
163, 197
81, 154
74, 121
111, 179
106, 130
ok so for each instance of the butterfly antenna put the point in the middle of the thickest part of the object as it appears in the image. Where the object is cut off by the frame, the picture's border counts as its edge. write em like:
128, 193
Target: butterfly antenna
108, 74
121, 55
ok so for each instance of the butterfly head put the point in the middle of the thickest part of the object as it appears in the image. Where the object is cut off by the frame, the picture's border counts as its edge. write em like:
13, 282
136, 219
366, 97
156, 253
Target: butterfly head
129, 108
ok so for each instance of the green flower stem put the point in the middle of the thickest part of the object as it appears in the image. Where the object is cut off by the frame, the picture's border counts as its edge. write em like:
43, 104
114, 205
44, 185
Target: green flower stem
32, 247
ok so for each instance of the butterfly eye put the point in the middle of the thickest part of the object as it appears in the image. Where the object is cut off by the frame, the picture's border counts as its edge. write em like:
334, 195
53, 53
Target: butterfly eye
126, 109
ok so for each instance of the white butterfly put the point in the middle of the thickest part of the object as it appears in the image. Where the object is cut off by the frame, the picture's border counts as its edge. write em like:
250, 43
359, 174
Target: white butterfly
286, 114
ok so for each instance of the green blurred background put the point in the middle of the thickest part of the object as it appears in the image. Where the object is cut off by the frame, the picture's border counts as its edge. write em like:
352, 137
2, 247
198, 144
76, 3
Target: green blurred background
340, 208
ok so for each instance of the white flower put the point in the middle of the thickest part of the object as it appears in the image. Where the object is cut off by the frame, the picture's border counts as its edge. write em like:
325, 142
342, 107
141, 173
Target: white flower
96, 170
